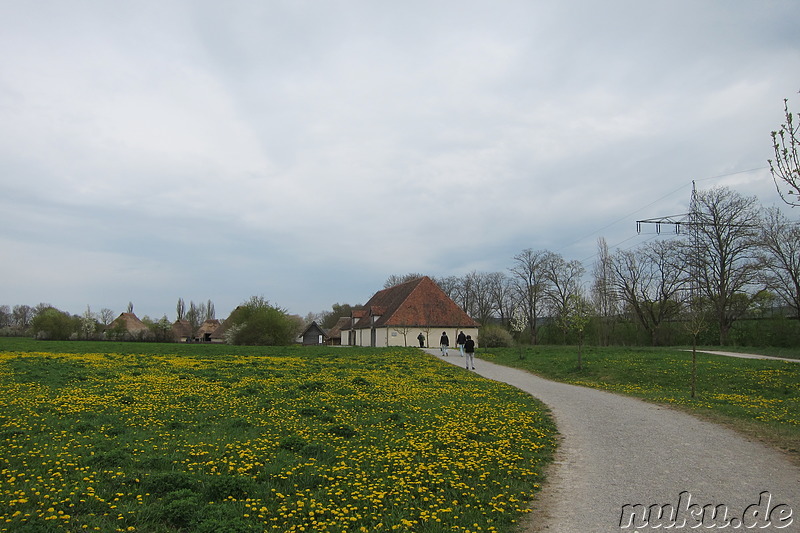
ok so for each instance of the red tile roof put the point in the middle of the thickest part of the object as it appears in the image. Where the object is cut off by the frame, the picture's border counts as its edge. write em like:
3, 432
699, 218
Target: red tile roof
418, 302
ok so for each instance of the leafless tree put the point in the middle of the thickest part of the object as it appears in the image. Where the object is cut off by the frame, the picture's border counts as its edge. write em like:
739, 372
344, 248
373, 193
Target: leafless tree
394, 279
724, 258
650, 280
449, 285
564, 281
180, 309
785, 168
22, 316
5, 316
604, 297
780, 257
531, 284
106, 316
501, 294
480, 296
194, 316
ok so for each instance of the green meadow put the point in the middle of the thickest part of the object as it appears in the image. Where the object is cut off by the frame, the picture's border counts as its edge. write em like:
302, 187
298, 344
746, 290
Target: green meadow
207, 438
760, 398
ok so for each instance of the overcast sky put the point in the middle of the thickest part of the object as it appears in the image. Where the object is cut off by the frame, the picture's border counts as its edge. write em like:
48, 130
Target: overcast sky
305, 151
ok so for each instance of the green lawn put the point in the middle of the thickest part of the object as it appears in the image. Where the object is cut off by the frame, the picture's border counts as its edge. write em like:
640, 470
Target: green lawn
174, 437
758, 397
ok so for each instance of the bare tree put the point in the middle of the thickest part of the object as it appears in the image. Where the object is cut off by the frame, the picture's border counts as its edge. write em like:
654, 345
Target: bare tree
5, 316
106, 316
22, 316
605, 299
531, 284
449, 285
501, 294
210, 312
463, 293
130, 307
480, 299
650, 280
726, 225
564, 281
194, 316
780, 257
180, 309
394, 279
785, 168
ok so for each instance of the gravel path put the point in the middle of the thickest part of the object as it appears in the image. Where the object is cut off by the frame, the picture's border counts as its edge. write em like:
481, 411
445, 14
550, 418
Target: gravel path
617, 450
748, 355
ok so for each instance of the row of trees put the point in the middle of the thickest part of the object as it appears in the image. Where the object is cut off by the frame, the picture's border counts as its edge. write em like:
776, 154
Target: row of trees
729, 259
254, 322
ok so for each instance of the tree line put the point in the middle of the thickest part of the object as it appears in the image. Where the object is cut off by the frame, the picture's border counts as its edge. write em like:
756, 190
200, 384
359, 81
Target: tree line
254, 322
729, 259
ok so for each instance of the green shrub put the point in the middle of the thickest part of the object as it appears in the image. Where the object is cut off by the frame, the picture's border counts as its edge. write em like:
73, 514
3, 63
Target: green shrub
495, 337
257, 323
52, 324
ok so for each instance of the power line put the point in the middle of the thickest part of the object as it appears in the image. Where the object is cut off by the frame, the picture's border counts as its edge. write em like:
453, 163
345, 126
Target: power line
672, 219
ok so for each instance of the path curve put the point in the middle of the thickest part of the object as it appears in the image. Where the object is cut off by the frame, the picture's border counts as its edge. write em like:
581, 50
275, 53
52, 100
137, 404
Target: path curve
617, 450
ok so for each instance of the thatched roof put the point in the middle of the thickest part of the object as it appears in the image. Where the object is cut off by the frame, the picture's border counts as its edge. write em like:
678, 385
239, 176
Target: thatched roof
130, 322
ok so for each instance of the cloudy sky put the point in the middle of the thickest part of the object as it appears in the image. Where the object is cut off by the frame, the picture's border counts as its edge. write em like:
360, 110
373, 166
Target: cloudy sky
306, 150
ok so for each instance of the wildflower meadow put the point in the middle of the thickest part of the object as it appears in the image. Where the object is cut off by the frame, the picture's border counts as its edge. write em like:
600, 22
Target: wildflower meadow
166, 438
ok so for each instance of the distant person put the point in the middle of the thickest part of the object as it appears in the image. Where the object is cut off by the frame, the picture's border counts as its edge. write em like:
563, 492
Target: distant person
444, 342
460, 340
469, 348
421, 339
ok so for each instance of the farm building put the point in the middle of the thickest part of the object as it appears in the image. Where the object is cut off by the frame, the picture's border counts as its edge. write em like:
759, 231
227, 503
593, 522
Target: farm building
397, 315
335, 333
128, 324
181, 330
313, 335
207, 329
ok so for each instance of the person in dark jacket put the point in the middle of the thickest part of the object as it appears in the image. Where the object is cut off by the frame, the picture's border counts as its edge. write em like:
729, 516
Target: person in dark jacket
421, 339
460, 340
469, 349
444, 342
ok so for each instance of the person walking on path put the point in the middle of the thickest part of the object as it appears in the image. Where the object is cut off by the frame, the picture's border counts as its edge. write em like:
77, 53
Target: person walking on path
460, 340
469, 348
444, 342
421, 339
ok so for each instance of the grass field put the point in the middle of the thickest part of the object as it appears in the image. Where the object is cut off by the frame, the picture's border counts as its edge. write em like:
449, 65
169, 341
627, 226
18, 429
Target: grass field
758, 397
171, 437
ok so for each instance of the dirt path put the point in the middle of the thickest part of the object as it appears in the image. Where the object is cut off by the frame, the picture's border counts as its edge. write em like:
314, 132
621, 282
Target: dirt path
618, 451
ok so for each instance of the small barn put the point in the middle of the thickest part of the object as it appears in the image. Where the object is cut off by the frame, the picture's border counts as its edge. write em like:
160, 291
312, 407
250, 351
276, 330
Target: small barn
313, 335
207, 329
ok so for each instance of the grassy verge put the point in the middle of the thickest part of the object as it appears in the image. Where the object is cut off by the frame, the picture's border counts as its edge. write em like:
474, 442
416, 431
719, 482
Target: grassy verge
165, 438
757, 397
